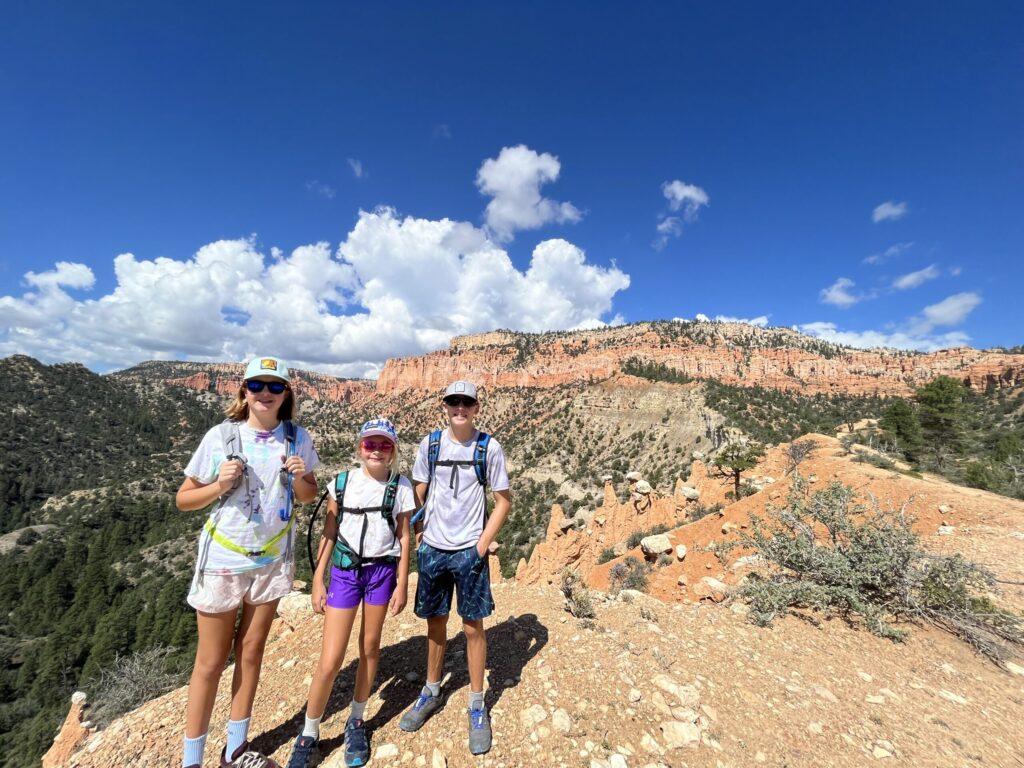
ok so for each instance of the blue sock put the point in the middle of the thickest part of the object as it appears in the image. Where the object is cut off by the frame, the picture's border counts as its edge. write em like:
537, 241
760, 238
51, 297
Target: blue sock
194, 749
237, 732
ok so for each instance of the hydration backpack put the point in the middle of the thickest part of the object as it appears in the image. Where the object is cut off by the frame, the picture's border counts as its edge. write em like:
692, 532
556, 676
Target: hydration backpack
478, 462
345, 557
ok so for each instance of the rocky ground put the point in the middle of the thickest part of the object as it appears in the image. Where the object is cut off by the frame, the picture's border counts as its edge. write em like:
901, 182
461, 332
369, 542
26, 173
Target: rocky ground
643, 684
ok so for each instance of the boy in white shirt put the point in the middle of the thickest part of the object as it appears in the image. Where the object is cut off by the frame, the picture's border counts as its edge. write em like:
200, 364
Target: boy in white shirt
453, 470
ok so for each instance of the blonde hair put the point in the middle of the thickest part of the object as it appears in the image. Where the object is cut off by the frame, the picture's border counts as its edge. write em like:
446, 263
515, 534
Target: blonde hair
238, 409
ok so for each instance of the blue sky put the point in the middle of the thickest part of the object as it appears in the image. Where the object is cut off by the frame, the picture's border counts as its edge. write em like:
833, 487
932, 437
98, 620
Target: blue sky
219, 144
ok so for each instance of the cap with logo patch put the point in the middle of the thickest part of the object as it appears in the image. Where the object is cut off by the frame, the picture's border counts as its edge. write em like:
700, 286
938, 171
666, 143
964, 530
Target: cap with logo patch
267, 366
379, 427
464, 388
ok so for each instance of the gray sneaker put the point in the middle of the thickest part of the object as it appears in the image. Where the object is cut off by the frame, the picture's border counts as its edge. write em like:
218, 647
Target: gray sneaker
414, 717
479, 731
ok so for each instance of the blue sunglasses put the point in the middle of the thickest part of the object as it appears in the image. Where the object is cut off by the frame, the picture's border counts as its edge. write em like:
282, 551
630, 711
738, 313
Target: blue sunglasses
275, 387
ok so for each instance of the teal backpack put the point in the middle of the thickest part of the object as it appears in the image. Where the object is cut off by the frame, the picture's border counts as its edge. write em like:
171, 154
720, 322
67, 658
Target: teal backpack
345, 557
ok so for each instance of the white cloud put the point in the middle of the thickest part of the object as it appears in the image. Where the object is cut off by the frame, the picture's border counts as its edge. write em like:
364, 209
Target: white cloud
916, 333
321, 189
513, 180
357, 168
668, 227
955, 271
683, 198
896, 339
889, 211
838, 294
395, 286
689, 198
952, 310
761, 321
889, 253
914, 279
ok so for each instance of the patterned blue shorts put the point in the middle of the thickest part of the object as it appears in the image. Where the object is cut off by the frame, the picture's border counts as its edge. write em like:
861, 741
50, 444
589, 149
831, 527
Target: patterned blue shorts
442, 572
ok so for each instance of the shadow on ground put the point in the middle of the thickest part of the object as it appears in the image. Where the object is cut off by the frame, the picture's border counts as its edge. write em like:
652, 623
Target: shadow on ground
511, 645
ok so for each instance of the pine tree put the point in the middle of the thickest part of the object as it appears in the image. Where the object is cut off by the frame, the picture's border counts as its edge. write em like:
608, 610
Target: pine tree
943, 414
902, 425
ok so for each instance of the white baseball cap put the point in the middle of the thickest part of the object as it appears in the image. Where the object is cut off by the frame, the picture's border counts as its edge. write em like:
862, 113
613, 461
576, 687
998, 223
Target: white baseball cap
267, 366
379, 428
465, 388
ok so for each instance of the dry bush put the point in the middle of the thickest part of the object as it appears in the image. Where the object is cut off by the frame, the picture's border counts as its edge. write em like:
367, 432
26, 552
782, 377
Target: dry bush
834, 555
133, 680
578, 599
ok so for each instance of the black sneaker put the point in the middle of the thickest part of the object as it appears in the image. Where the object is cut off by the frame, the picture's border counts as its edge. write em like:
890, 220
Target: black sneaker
304, 752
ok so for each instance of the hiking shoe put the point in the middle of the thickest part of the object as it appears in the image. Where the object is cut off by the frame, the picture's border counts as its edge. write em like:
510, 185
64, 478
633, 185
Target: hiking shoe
418, 713
479, 731
303, 752
228, 762
357, 745
253, 760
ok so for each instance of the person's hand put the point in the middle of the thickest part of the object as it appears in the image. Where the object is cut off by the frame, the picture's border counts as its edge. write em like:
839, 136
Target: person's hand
319, 596
229, 475
399, 599
294, 465
484, 553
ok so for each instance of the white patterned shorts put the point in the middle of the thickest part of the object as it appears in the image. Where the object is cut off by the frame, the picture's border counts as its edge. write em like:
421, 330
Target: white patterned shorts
218, 593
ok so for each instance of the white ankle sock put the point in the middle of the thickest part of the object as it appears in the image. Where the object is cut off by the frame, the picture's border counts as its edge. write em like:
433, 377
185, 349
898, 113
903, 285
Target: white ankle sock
312, 726
193, 753
358, 709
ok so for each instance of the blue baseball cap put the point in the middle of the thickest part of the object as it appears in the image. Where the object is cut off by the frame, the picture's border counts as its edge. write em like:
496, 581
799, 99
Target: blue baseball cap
267, 366
379, 428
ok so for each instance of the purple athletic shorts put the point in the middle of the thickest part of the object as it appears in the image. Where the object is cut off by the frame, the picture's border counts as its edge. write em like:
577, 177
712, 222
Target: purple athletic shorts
373, 583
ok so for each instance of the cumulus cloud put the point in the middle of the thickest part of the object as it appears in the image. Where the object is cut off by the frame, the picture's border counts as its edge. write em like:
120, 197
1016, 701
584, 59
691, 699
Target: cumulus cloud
761, 321
357, 167
889, 211
838, 294
918, 332
513, 180
395, 286
914, 279
889, 253
684, 199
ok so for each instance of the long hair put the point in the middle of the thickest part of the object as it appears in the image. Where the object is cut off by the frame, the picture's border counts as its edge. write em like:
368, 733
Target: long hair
238, 409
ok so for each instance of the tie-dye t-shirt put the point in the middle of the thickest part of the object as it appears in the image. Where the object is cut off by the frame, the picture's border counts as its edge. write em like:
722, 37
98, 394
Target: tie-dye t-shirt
255, 511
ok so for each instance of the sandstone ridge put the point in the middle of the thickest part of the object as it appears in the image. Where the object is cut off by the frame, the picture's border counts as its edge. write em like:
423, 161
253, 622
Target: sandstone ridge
733, 353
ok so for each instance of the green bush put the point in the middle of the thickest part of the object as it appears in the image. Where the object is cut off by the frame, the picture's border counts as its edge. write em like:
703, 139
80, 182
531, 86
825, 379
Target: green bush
870, 566
608, 553
629, 574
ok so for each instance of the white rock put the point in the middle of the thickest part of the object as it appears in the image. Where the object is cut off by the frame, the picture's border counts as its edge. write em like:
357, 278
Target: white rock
688, 493
561, 721
649, 744
686, 695
946, 530
677, 735
617, 761
681, 551
438, 759
533, 715
633, 476
634, 695
945, 509
385, 752
643, 487
656, 545
710, 588
954, 697
1014, 669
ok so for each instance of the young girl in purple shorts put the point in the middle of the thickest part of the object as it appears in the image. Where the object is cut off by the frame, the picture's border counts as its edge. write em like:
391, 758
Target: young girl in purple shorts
366, 544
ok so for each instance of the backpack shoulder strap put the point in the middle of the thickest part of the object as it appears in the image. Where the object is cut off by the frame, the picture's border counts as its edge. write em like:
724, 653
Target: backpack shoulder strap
290, 435
230, 437
433, 451
340, 481
480, 457
387, 506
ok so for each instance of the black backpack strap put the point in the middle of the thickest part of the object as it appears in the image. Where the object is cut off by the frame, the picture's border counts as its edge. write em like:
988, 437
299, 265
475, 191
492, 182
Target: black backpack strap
387, 505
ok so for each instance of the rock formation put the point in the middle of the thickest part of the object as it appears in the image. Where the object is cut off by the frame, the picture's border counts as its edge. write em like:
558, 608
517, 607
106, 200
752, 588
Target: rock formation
732, 353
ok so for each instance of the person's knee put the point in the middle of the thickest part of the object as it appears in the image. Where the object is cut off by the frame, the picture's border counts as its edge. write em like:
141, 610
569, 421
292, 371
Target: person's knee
249, 651
474, 630
329, 665
209, 667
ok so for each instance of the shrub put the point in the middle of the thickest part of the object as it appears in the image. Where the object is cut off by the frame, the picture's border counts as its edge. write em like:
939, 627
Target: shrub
833, 555
663, 560
132, 681
578, 600
629, 574
608, 553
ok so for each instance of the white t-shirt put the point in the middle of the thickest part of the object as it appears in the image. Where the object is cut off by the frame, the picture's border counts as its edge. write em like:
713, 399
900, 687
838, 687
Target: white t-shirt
248, 519
362, 490
456, 501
